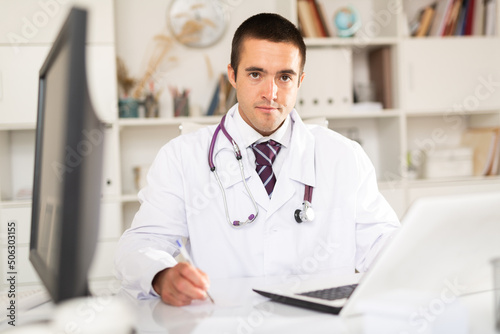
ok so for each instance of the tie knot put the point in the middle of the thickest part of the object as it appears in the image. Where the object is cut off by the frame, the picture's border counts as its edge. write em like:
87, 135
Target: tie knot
265, 153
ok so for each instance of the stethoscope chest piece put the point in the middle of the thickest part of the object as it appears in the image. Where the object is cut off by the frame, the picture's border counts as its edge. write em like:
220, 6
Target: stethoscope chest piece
304, 215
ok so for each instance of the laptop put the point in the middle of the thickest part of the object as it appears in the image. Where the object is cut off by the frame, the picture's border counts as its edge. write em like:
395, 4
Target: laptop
445, 242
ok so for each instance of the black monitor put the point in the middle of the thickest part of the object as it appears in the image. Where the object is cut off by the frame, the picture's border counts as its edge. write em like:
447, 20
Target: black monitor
68, 167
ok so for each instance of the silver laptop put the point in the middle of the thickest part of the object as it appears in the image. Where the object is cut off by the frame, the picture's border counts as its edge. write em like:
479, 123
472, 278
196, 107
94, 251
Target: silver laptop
444, 242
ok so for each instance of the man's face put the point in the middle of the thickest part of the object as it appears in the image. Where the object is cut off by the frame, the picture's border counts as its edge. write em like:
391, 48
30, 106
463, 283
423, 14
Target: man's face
268, 79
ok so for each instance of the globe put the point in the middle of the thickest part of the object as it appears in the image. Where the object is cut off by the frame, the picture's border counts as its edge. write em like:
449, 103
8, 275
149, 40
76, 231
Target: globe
347, 21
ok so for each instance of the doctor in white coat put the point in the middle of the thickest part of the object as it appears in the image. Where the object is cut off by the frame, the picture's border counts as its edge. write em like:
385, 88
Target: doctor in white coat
183, 198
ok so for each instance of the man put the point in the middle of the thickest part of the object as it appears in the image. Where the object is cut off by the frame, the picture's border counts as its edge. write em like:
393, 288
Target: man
352, 220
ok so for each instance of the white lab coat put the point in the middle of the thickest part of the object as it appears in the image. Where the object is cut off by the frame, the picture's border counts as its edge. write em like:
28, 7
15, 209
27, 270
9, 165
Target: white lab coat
182, 199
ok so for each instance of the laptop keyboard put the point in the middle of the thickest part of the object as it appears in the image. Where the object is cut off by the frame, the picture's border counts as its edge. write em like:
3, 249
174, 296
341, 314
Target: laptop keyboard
338, 292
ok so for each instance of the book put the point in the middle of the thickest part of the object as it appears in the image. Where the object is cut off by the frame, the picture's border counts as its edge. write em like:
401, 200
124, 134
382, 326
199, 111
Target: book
223, 98
453, 18
414, 24
469, 18
495, 165
487, 169
484, 142
380, 64
478, 21
426, 19
231, 99
224, 87
442, 8
318, 19
460, 25
492, 159
324, 19
214, 101
490, 17
306, 19
318, 22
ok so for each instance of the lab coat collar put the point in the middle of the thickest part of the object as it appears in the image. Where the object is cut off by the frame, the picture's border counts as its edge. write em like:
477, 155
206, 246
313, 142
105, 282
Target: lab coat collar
300, 161
298, 166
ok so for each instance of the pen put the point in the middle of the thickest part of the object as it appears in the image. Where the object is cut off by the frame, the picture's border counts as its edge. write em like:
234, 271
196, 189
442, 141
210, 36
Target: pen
188, 259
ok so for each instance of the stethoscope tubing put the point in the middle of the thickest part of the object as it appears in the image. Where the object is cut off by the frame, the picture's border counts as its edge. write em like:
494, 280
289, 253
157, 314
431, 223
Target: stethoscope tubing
307, 192
238, 156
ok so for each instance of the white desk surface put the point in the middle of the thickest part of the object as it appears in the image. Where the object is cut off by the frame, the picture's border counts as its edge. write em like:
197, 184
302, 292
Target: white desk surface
240, 310
237, 309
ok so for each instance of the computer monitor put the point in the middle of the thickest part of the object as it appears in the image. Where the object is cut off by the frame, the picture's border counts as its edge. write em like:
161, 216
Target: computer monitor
68, 167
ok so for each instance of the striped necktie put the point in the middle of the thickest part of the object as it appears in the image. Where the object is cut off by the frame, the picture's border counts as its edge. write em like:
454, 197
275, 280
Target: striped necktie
265, 154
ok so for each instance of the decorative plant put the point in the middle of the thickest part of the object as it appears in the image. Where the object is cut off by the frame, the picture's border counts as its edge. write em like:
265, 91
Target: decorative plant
125, 82
141, 87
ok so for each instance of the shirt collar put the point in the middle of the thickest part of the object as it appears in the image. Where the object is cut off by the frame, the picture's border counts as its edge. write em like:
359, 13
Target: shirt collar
249, 136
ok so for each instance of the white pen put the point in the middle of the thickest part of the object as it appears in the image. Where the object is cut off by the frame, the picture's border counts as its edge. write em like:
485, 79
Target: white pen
186, 256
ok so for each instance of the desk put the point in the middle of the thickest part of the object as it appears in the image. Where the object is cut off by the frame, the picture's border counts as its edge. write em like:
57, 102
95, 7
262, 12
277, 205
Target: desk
237, 310
240, 310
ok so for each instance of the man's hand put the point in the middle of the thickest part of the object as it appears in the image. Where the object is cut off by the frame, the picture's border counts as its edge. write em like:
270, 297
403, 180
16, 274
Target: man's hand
181, 284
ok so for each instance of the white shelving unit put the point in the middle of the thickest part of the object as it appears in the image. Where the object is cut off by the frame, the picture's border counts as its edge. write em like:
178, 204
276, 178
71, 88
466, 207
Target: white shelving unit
432, 77
441, 86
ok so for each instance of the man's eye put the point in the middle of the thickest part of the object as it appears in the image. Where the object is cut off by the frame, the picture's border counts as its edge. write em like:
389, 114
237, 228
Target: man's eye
254, 75
285, 78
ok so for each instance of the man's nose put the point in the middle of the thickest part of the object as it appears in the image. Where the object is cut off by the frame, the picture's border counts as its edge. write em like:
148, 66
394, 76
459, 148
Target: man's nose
270, 91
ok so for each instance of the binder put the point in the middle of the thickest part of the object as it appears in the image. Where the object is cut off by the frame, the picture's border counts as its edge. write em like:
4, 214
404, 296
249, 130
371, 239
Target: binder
327, 86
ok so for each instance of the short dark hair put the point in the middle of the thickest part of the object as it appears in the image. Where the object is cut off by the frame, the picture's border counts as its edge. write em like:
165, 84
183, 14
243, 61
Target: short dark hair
267, 26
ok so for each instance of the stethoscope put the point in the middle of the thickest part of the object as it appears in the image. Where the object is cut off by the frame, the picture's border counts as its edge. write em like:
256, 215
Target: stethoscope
301, 215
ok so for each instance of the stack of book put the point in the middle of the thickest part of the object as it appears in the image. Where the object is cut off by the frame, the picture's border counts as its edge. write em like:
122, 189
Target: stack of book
223, 98
312, 19
486, 145
456, 18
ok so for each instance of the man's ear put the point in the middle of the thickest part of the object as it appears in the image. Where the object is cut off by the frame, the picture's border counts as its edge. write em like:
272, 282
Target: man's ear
231, 75
301, 78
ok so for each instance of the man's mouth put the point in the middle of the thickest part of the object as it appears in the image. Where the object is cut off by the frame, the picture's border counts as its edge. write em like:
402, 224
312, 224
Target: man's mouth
267, 108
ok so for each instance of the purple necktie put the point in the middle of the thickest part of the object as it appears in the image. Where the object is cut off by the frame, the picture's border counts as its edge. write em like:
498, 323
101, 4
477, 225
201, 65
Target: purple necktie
265, 154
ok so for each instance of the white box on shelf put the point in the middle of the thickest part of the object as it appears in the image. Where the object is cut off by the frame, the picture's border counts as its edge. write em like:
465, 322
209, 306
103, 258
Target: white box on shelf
449, 162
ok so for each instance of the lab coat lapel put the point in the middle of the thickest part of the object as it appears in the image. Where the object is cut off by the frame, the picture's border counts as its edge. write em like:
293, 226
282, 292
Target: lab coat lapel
298, 166
229, 169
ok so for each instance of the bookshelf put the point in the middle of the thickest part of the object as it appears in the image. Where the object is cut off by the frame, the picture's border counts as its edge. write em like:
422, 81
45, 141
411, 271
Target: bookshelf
441, 86
419, 104
440, 18
435, 84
